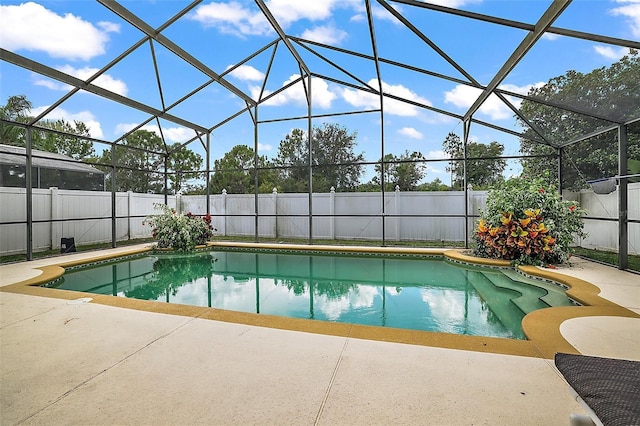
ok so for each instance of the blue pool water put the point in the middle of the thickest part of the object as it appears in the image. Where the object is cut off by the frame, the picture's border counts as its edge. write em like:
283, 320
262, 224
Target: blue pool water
412, 293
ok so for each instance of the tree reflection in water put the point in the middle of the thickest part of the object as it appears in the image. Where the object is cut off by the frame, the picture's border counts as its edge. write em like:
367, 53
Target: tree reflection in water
170, 272
330, 289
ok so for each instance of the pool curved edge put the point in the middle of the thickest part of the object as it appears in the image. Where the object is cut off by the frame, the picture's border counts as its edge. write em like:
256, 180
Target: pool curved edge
542, 328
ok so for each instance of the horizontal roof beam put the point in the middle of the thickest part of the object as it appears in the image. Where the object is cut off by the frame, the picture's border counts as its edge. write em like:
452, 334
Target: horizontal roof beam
600, 132
42, 69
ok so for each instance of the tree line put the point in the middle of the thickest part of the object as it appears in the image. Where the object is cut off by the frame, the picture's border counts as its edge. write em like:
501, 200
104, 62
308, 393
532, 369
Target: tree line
336, 164
612, 92
609, 92
140, 160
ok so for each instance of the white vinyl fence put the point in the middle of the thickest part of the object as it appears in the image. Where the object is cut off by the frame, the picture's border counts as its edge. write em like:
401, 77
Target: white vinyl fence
342, 216
83, 215
86, 216
603, 235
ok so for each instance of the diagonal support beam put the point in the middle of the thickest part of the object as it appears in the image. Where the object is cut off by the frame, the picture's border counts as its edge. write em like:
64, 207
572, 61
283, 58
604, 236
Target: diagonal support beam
132, 19
550, 15
278, 29
42, 69
425, 39
333, 64
599, 38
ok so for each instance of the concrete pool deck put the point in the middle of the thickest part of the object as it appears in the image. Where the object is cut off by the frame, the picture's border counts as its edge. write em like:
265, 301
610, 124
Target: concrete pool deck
65, 362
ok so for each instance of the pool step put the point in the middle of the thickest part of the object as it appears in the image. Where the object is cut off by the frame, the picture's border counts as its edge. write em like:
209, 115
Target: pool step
530, 296
556, 295
499, 301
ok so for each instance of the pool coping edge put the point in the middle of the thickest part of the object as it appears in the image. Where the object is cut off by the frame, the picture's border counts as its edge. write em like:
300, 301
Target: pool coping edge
541, 327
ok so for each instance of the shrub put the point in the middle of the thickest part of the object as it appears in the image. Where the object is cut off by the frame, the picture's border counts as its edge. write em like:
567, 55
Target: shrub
177, 231
527, 222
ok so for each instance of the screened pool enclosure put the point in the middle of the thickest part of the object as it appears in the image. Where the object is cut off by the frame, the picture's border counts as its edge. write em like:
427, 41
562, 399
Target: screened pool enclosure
377, 121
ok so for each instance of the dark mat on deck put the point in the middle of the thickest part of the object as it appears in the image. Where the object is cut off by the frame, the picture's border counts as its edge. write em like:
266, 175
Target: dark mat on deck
610, 387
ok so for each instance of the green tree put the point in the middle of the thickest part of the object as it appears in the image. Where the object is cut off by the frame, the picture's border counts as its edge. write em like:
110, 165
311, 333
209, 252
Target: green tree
293, 159
612, 92
16, 109
435, 185
370, 186
184, 165
66, 144
72, 144
140, 164
235, 172
137, 159
404, 171
484, 165
335, 164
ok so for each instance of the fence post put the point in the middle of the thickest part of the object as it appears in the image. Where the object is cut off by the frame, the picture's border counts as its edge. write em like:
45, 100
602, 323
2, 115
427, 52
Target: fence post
224, 211
56, 226
396, 202
129, 208
469, 206
332, 210
274, 197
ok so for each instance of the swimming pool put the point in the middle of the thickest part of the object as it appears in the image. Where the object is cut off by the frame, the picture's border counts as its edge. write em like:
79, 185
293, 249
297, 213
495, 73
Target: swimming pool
416, 293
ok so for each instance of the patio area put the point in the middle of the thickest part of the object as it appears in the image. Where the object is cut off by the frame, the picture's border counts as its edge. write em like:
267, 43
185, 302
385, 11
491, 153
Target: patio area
90, 363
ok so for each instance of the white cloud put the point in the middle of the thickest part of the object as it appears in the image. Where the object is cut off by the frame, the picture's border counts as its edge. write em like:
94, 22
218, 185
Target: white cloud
359, 297
171, 134
287, 11
264, 147
445, 304
454, 3
436, 168
410, 132
611, 52
550, 36
381, 13
631, 10
360, 98
124, 127
321, 95
400, 108
105, 80
247, 72
327, 34
51, 84
109, 27
232, 18
177, 134
522, 90
87, 117
30, 26
436, 155
463, 96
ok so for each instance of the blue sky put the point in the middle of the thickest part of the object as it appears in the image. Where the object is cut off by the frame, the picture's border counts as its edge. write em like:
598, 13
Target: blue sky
80, 37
